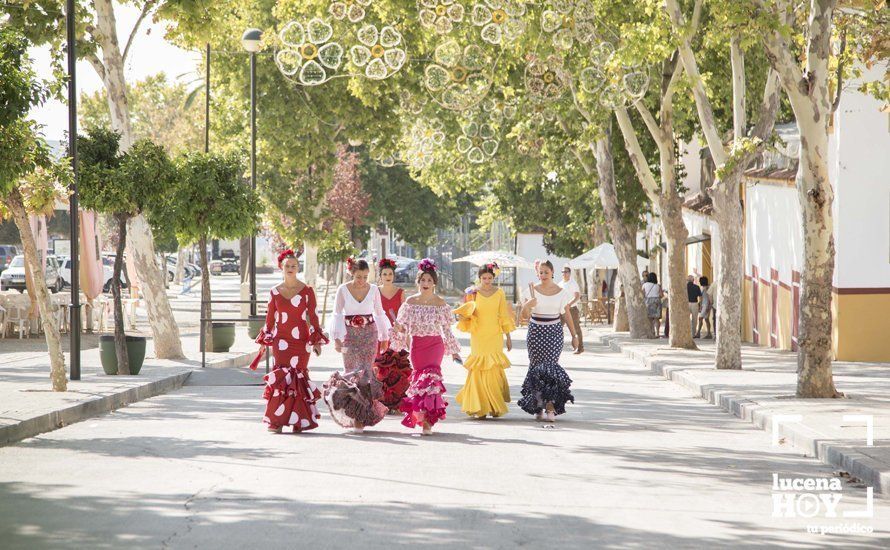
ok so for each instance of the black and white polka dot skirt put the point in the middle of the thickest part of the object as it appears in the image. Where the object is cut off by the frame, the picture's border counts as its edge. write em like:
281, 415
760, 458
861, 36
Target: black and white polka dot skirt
546, 381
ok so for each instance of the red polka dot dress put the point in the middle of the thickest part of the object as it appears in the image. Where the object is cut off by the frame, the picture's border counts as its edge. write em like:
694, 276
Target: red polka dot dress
290, 332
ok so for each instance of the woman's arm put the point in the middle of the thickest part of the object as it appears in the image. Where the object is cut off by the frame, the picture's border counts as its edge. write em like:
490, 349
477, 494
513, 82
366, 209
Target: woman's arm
316, 335
265, 335
452, 346
380, 318
337, 328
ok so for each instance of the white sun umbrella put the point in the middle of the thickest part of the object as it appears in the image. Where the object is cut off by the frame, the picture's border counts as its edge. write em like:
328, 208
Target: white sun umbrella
503, 259
602, 257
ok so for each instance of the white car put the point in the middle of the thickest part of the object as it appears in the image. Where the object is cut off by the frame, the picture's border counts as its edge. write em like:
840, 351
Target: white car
107, 274
13, 277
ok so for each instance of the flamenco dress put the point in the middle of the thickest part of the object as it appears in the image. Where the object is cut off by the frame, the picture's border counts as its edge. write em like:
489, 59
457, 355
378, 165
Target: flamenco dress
393, 368
353, 396
546, 381
290, 331
426, 332
486, 391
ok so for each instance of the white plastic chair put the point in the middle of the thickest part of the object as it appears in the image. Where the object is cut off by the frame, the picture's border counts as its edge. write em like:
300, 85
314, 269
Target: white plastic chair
15, 317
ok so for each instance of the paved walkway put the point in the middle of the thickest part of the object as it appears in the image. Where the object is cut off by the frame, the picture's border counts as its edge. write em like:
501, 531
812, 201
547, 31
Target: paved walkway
763, 393
637, 462
28, 405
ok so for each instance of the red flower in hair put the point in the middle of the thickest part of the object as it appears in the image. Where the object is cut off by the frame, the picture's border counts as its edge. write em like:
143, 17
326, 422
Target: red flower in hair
284, 255
350, 261
387, 263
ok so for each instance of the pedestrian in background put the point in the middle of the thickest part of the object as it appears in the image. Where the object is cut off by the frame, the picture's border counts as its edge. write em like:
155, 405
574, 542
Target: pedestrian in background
653, 294
571, 287
694, 293
704, 316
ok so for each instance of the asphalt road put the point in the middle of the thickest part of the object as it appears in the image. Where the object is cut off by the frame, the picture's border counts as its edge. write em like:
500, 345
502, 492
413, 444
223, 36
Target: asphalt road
635, 463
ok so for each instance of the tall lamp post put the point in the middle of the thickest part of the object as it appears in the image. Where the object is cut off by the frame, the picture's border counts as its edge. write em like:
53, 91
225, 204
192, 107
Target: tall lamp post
72, 200
252, 42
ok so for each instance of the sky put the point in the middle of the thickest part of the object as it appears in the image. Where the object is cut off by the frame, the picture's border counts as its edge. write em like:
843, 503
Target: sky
150, 54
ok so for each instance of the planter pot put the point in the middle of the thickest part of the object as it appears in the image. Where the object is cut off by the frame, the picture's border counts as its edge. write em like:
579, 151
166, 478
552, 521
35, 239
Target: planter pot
135, 353
222, 336
255, 325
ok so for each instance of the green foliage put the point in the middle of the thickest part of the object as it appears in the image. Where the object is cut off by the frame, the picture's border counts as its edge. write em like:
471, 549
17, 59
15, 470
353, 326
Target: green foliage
158, 111
211, 199
122, 184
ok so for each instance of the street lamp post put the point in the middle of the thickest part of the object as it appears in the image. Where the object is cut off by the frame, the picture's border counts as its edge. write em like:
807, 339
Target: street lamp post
252, 42
74, 335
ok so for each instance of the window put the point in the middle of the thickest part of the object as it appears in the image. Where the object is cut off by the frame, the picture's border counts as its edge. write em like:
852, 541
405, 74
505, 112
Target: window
18, 261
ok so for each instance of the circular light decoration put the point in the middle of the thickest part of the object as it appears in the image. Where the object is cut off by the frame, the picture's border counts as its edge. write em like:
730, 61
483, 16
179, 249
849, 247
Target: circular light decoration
378, 52
569, 20
424, 137
499, 110
545, 78
478, 142
306, 54
636, 84
456, 79
353, 10
411, 103
440, 15
613, 96
500, 20
529, 144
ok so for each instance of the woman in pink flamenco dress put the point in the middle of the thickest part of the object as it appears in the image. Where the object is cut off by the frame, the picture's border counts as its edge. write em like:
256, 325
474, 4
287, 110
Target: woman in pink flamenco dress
424, 327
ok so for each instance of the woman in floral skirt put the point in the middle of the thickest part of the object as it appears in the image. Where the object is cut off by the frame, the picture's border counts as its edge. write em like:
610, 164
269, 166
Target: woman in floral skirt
360, 329
424, 327
392, 367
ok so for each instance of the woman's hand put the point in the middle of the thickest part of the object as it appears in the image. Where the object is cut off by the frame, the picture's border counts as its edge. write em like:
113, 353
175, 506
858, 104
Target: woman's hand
456, 357
383, 346
338, 346
575, 341
317, 349
509, 343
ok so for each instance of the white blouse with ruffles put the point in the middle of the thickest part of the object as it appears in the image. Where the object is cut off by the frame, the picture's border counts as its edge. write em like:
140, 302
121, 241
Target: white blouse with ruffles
555, 305
346, 304
420, 320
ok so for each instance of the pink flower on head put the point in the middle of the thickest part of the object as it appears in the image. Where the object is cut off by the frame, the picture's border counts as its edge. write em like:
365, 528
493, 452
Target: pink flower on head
427, 264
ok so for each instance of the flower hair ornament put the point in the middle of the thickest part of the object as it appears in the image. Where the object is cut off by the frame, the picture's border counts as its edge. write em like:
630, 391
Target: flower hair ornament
350, 262
427, 264
285, 255
387, 263
494, 267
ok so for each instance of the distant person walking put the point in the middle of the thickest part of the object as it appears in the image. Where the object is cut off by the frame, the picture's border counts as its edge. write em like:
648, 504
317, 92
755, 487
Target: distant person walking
569, 285
652, 294
694, 293
707, 307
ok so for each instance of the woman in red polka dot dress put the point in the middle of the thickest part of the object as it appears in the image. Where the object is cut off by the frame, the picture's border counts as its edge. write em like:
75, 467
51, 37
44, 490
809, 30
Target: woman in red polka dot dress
292, 331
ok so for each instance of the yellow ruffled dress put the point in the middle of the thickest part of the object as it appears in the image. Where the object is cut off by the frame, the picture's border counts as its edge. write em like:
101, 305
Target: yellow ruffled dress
486, 391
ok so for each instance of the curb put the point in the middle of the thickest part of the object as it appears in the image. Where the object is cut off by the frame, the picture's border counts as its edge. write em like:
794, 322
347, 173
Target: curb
854, 460
54, 420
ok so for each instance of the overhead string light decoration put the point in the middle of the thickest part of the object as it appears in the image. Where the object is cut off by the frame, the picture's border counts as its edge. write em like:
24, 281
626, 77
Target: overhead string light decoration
440, 15
353, 10
458, 78
545, 77
500, 20
569, 21
479, 142
307, 53
379, 53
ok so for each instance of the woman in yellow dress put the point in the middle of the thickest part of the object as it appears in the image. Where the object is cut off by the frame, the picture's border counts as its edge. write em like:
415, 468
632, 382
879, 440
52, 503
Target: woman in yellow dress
487, 317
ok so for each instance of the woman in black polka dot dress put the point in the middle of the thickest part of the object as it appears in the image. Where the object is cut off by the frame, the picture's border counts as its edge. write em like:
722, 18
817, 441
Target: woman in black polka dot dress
547, 386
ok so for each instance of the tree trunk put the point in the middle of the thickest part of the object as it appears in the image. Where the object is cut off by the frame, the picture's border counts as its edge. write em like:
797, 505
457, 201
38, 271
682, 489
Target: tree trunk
730, 271
120, 337
623, 239
32, 258
310, 263
244, 259
160, 315
814, 376
111, 70
205, 295
675, 234
180, 266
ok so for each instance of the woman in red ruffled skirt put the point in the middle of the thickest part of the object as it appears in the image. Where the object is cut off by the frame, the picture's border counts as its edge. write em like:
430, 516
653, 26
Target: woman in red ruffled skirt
392, 368
292, 331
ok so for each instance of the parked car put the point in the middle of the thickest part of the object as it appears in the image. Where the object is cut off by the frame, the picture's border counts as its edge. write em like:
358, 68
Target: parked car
191, 270
107, 274
7, 253
230, 262
13, 277
215, 267
406, 270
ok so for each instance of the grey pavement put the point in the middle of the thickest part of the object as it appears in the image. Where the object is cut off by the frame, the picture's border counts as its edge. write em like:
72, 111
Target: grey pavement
834, 430
637, 462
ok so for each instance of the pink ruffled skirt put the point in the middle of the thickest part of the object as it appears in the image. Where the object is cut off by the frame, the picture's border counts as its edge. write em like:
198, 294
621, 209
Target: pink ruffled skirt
425, 399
